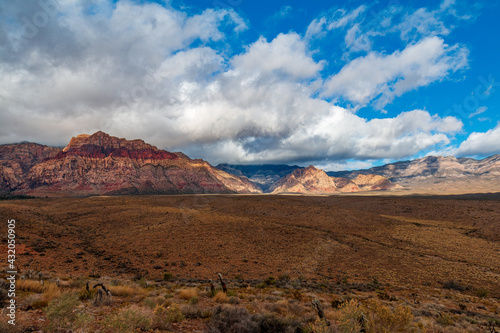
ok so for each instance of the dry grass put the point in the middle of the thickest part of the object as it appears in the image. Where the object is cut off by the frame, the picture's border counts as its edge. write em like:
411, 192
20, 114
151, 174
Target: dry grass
48, 290
188, 293
51, 292
126, 291
30, 285
221, 297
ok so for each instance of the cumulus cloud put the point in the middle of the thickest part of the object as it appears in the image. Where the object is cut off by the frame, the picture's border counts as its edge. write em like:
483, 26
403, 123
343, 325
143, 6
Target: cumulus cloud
481, 143
153, 72
383, 77
286, 54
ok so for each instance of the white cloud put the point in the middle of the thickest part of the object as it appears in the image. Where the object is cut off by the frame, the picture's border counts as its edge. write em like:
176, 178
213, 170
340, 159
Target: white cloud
336, 20
422, 23
152, 72
286, 54
481, 143
383, 77
478, 111
340, 135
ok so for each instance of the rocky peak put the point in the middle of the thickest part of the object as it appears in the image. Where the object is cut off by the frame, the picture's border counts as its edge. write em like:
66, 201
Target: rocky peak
100, 145
105, 140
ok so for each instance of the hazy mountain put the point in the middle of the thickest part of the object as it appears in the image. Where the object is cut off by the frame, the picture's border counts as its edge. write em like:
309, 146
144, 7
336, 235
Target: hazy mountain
430, 167
263, 175
438, 174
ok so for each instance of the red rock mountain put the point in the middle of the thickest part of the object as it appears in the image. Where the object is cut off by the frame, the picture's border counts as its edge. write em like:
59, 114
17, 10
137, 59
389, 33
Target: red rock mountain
100, 164
311, 180
16, 161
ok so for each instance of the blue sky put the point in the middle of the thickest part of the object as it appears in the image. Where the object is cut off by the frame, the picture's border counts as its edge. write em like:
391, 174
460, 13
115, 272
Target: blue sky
338, 84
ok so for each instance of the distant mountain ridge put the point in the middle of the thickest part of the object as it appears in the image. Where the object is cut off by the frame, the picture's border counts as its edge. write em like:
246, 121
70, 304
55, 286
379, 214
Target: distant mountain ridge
263, 175
429, 168
100, 164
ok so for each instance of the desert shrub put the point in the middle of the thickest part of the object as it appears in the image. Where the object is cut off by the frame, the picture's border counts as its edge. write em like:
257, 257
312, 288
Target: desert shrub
60, 311
270, 281
83, 294
188, 293
284, 278
234, 319
273, 324
220, 297
319, 326
444, 320
454, 285
194, 312
167, 276
130, 319
231, 320
380, 318
233, 300
351, 317
126, 291
164, 317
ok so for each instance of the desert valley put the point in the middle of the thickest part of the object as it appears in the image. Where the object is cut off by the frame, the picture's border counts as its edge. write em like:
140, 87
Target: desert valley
116, 235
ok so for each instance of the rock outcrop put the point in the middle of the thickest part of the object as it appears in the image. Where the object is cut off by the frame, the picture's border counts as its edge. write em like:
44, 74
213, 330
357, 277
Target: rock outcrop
311, 180
100, 164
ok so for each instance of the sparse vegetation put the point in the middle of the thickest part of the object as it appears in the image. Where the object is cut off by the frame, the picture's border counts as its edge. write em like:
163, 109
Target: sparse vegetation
422, 297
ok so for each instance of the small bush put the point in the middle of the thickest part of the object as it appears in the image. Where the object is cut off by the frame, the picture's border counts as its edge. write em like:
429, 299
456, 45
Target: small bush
380, 317
188, 293
454, 285
164, 317
284, 278
270, 281
220, 297
233, 319
167, 276
351, 316
130, 319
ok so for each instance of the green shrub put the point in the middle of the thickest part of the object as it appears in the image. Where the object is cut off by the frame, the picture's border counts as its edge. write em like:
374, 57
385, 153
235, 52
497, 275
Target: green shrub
60, 311
270, 281
167, 276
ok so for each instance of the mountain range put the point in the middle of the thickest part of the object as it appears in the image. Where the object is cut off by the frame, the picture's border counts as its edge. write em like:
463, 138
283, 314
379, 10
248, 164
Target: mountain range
100, 164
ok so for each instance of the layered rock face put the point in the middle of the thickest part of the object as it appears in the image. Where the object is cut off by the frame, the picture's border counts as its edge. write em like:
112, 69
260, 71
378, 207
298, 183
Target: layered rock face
16, 160
100, 164
311, 180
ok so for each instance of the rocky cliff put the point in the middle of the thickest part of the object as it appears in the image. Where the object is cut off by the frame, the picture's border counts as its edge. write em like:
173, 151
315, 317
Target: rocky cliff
100, 164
